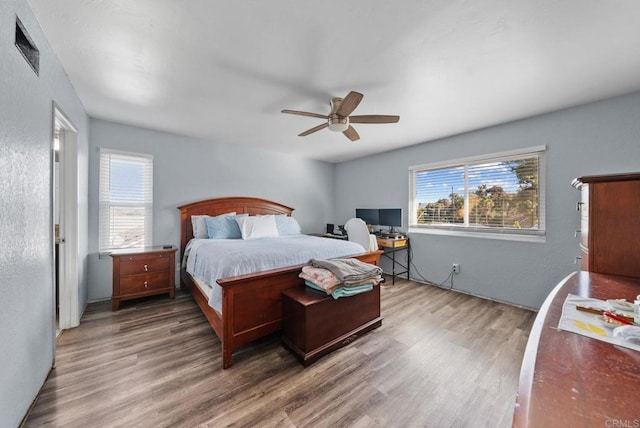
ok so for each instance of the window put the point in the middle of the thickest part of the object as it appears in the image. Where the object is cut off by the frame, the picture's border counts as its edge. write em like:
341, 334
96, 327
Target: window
502, 193
126, 200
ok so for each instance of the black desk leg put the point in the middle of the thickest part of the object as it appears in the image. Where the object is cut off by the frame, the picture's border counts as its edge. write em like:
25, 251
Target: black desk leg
393, 267
408, 260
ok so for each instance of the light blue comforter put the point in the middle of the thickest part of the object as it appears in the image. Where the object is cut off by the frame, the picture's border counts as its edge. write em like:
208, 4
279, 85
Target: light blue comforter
212, 259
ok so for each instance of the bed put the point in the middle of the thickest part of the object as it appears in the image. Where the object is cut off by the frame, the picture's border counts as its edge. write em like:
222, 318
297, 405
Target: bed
251, 304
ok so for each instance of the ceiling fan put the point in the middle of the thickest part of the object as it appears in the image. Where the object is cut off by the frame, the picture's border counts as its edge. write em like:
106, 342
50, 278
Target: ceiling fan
338, 119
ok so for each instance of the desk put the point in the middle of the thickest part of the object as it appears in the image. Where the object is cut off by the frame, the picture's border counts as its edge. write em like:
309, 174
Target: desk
390, 247
572, 380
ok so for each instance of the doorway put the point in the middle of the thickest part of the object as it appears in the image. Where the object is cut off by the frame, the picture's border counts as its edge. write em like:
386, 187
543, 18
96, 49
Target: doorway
57, 202
64, 196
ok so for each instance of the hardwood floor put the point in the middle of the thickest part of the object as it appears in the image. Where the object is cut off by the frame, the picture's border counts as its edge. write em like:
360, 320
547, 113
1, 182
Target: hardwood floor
440, 359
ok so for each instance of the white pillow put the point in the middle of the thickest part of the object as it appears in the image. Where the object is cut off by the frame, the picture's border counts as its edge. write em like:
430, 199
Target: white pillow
199, 225
259, 226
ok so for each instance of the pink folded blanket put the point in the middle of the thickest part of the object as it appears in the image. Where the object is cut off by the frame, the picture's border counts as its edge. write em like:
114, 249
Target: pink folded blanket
323, 278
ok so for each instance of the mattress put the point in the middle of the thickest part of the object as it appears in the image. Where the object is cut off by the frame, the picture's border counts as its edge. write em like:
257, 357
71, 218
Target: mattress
208, 260
203, 287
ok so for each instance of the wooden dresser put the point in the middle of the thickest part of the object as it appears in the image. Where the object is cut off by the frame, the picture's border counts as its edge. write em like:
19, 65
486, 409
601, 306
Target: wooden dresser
142, 272
610, 224
568, 379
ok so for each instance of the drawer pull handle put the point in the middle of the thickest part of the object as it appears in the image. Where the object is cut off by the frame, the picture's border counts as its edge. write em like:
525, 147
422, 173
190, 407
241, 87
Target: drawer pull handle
146, 268
575, 261
576, 233
146, 284
579, 206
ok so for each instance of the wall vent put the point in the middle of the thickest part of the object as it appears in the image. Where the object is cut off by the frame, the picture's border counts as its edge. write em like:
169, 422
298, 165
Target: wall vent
26, 47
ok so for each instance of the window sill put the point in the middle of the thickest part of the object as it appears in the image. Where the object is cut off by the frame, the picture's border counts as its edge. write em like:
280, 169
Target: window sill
478, 234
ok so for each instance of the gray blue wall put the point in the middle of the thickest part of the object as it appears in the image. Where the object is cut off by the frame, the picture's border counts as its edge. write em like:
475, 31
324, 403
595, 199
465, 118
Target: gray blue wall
26, 254
598, 138
189, 169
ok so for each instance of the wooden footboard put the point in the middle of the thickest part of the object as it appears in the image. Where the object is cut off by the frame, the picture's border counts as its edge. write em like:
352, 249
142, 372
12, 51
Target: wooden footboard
251, 304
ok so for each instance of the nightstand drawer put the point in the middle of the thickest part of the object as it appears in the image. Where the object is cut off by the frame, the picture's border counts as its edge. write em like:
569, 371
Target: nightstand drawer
142, 264
143, 283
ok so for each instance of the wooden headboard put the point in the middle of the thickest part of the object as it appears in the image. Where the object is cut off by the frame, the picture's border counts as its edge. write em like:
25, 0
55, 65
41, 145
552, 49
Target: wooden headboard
217, 206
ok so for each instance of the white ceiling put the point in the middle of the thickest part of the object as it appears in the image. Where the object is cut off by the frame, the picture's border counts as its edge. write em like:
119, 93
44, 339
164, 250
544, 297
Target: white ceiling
223, 70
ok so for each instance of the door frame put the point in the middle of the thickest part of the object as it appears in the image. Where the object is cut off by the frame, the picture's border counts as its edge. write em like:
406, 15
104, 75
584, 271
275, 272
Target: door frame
69, 284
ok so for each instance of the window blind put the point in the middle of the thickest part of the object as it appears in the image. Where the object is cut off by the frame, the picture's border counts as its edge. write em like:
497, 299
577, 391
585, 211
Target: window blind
125, 201
500, 194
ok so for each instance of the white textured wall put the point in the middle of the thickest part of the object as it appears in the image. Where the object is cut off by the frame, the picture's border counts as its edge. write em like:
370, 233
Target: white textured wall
597, 138
26, 286
188, 169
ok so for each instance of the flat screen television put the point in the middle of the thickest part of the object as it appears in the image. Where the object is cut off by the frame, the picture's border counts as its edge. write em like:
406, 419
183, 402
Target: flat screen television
391, 217
369, 215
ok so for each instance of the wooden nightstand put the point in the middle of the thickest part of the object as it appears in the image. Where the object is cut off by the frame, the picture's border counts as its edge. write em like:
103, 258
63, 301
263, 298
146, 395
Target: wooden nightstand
142, 272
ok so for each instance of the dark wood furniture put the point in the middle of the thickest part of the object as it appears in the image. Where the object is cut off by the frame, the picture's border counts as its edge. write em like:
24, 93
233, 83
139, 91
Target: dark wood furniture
252, 303
142, 272
390, 246
315, 324
572, 380
610, 223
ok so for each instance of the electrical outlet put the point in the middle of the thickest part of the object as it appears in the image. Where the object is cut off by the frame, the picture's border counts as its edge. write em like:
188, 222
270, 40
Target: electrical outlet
456, 268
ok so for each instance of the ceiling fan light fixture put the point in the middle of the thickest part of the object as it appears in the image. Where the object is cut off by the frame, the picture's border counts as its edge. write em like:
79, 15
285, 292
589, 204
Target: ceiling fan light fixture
338, 124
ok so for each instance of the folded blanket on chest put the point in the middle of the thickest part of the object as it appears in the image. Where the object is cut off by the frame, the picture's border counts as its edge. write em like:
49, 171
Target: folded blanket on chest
327, 280
348, 270
343, 291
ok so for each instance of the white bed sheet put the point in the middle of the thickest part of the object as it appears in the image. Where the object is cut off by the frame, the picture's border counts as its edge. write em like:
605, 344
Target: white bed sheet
211, 259
204, 288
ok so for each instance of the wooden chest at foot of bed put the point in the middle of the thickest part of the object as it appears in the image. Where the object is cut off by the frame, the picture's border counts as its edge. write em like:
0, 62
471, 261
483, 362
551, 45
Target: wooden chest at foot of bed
315, 324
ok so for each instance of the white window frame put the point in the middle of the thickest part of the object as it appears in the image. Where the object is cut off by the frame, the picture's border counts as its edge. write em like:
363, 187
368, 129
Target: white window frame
105, 202
469, 231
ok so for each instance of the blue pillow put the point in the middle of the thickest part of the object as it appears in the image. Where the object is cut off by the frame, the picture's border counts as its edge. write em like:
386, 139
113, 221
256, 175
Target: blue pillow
287, 225
223, 227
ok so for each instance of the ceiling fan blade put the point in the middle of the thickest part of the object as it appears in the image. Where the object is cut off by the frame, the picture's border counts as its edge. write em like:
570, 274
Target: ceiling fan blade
314, 129
374, 118
349, 103
306, 113
351, 134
